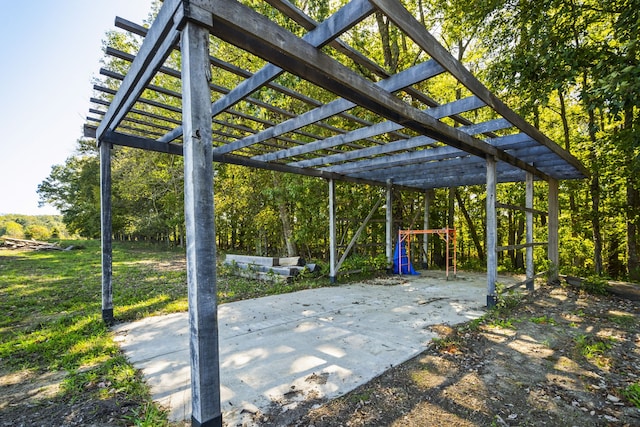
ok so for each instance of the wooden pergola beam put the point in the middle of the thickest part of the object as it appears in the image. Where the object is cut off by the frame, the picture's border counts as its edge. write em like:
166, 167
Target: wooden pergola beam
159, 42
403, 79
416, 31
134, 141
253, 32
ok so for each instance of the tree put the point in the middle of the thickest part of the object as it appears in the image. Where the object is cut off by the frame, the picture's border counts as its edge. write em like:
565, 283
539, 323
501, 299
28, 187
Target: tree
13, 229
73, 188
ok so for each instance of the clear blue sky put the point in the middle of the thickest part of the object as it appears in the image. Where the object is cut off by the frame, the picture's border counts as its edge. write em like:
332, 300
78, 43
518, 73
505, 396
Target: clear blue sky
50, 51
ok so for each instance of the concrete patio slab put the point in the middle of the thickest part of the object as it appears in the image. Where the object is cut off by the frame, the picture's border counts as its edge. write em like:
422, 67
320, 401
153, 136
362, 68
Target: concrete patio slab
309, 345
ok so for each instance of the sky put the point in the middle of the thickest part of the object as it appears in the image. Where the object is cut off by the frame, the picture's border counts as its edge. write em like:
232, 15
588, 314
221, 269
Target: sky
49, 53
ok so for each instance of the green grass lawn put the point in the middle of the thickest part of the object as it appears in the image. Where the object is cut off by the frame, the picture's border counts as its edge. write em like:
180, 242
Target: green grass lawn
50, 315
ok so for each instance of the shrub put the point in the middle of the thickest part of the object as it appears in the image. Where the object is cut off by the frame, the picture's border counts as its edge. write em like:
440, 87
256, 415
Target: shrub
595, 285
14, 229
37, 232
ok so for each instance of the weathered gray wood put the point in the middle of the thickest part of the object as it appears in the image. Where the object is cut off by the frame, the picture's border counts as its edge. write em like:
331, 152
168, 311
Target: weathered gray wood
357, 234
422, 156
438, 153
553, 248
389, 225
258, 35
147, 125
117, 76
403, 79
492, 233
351, 14
416, 142
134, 111
373, 130
357, 57
473, 179
153, 145
529, 282
414, 29
200, 229
517, 140
216, 62
154, 50
217, 88
529, 230
333, 271
248, 259
142, 143
105, 232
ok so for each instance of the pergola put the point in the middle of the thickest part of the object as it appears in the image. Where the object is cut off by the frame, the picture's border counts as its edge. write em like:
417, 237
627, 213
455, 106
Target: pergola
371, 126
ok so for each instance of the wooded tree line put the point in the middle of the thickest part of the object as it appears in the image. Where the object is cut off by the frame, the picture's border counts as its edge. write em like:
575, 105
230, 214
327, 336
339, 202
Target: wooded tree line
37, 227
570, 67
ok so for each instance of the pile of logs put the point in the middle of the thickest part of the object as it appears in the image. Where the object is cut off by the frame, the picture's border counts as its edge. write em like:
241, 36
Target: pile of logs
11, 243
267, 268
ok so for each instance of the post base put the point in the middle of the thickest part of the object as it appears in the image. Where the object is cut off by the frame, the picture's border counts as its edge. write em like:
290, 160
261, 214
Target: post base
530, 285
492, 301
214, 422
107, 316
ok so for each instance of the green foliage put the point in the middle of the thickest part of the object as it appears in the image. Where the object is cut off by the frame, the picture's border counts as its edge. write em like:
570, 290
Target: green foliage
632, 394
507, 323
624, 320
595, 285
507, 301
579, 90
594, 348
73, 188
13, 229
364, 264
38, 232
38, 227
544, 320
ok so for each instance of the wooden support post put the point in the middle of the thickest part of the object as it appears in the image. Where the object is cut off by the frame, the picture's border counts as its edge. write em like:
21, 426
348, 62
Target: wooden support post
552, 249
529, 232
199, 214
105, 230
492, 233
333, 274
425, 237
389, 227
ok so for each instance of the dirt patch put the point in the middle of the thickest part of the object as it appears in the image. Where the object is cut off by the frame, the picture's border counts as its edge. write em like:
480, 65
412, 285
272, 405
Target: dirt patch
30, 399
25, 387
560, 358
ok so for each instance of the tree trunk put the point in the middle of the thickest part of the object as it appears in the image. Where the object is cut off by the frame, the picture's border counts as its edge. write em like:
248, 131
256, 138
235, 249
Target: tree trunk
390, 48
633, 205
594, 188
451, 208
511, 237
285, 218
567, 146
471, 225
519, 236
